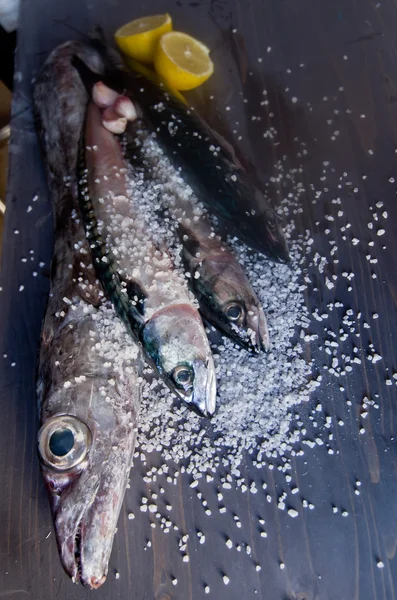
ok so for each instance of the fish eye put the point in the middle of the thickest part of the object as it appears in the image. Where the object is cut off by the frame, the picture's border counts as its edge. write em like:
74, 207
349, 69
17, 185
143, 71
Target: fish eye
61, 442
182, 376
234, 312
64, 442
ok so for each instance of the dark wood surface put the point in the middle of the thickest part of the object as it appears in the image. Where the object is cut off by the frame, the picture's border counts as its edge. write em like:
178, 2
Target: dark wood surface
331, 56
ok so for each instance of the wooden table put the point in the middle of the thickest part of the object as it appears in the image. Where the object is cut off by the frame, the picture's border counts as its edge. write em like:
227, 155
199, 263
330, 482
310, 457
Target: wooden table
330, 69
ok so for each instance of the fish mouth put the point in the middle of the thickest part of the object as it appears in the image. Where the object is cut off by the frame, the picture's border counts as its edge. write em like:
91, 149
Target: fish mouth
253, 336
93, 581
85, 519
280, 250
77, 553
274, 245
202, 399
84, 552
257, 324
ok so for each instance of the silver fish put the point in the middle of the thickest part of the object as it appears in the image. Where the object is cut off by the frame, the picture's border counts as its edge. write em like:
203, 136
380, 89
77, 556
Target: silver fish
207, 161
137, 273
88, 390
219, 283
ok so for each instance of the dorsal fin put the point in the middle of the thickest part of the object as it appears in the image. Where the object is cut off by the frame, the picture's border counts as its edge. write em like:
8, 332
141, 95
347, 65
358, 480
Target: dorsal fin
135, 293
188, 240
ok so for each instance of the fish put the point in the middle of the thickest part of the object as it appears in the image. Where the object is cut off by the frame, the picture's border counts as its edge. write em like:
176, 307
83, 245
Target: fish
89, 371
207, 162
137, 273
226, 297
224, 292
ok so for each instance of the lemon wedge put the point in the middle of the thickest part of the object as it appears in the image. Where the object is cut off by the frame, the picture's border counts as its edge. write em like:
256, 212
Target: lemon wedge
139, 38
182, 61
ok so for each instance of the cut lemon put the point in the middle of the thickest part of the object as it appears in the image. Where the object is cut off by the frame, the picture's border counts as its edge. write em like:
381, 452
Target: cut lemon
182, 61
139, 38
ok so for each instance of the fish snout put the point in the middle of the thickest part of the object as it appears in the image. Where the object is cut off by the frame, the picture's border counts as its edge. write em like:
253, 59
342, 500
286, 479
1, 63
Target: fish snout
95, 583
203, 397
260, 340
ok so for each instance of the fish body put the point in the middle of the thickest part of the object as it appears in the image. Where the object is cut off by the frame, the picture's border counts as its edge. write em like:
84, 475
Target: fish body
137, 272
225, 295
207, 162
88, 374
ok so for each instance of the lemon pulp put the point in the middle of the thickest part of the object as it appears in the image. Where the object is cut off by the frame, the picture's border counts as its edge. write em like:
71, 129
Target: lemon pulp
139, 38
182, 61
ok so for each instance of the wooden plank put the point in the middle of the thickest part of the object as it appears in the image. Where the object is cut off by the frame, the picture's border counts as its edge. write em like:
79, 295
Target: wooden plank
326, 556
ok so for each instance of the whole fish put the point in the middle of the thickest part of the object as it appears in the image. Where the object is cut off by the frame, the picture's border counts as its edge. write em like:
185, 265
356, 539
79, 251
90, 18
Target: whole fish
207, 162
223, 290
137, 273
87, 387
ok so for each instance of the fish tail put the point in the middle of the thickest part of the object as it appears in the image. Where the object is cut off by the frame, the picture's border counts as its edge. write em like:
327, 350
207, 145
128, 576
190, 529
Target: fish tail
88, 77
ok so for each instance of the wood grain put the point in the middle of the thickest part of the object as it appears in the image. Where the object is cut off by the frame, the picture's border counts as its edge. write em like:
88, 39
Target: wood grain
331, 57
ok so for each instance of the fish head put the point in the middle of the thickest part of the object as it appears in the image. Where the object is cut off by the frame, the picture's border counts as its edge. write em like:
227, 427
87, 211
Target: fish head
86, 453
228, 301
176, 342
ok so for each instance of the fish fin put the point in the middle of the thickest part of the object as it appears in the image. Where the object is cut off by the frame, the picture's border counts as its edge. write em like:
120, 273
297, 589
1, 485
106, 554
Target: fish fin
89, 289
227, 147
110, 56
135, 293
189, 241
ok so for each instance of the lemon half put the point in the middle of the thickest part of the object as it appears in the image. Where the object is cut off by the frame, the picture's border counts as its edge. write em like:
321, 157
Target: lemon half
182, 61
139, 38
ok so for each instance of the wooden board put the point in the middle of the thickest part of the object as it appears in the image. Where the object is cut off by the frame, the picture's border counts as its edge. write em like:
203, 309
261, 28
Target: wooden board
328, 67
